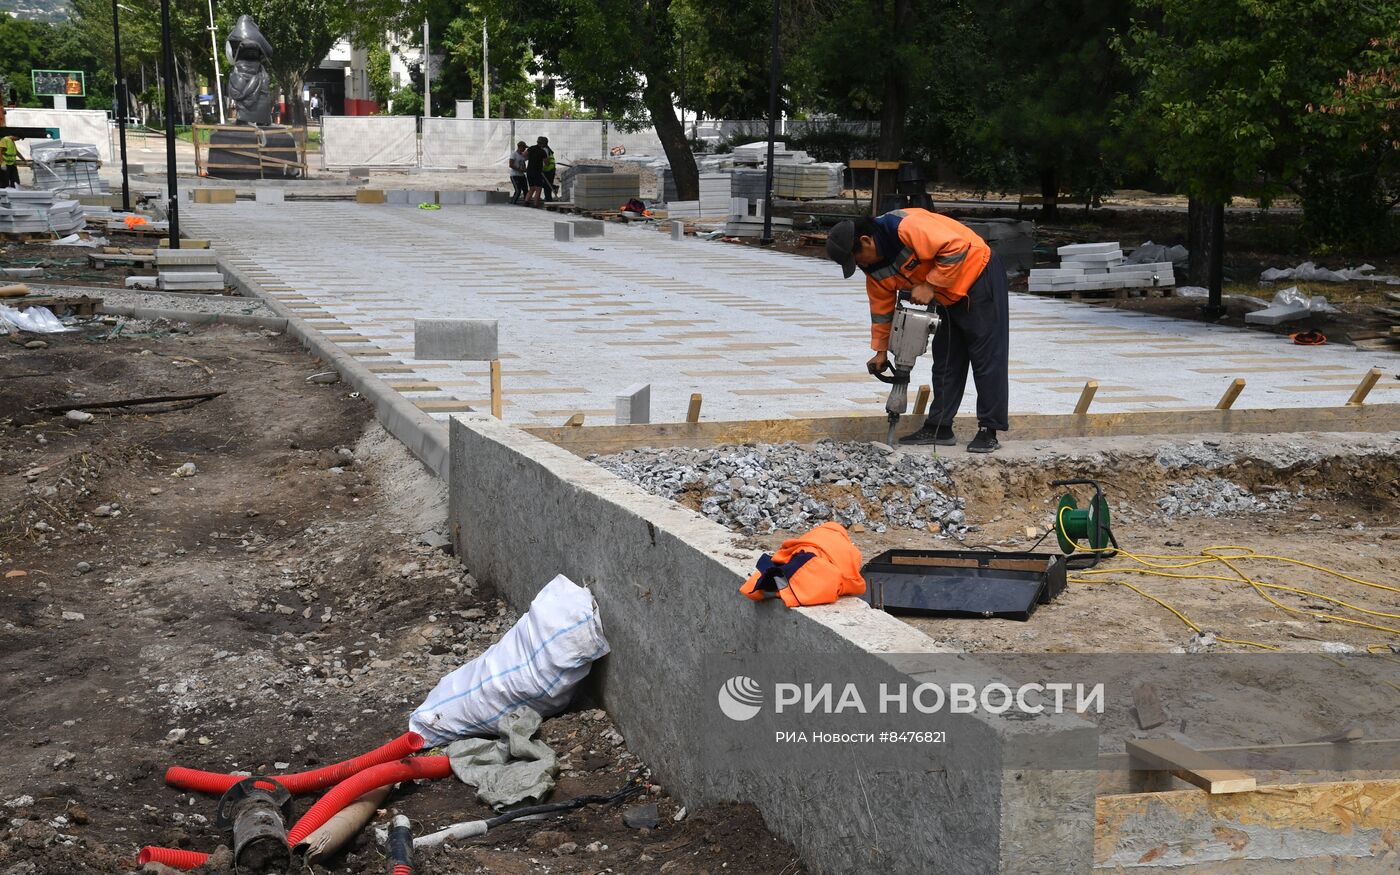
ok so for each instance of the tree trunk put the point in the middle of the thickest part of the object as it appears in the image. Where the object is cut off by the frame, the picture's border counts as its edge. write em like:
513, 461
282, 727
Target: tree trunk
895, 93
296, 113
669, 130
1049, 193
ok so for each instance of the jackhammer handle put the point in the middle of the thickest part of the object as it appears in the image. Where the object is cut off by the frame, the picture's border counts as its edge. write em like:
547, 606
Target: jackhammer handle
1093, 483
893, 379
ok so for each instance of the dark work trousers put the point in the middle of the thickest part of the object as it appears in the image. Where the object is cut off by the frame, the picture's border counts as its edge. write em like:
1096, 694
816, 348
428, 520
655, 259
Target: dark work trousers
519, 183
975, 331
9, 176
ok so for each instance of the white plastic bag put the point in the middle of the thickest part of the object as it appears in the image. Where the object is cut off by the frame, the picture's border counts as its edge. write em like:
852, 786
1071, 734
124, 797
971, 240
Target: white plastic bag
39, 320
537, 663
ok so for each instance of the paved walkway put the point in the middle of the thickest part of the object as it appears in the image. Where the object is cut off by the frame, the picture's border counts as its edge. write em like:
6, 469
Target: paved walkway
760, 334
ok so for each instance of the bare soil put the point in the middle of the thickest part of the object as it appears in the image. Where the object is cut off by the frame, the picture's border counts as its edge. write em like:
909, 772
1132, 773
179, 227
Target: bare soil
1342, 511
278, 610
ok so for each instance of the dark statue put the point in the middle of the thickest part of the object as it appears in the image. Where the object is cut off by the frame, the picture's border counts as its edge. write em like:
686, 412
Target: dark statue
248, 82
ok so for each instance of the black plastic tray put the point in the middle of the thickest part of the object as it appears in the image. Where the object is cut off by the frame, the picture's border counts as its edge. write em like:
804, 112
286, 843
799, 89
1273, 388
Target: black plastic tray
963, 583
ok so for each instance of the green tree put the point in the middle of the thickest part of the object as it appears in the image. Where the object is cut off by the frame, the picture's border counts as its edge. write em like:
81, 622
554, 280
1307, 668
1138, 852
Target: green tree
1225, 96
23, 48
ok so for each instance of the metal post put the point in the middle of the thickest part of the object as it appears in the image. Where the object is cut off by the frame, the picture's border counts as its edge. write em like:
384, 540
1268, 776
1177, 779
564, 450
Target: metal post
427, 76
171, 188
1215, 307
767, 238
218, 82
121, 105
485, 74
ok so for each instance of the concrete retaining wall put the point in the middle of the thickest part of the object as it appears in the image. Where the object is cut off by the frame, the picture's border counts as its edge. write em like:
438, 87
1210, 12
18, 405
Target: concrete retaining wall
666, 580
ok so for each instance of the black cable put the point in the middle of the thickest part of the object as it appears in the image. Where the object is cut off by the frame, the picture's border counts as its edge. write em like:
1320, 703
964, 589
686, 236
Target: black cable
567, 805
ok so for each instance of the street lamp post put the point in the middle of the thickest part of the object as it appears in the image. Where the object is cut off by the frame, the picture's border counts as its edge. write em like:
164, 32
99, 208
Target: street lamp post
168, 58
121, 105
767, 238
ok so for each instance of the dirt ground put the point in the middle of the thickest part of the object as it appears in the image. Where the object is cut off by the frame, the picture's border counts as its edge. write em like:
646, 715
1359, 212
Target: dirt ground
1330, 500
281, 608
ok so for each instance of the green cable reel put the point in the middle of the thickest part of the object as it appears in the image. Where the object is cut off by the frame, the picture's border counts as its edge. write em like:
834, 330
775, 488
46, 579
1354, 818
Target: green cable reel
1074, 523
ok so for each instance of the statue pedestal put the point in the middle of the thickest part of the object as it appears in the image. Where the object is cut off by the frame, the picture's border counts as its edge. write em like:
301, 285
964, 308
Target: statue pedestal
249, 152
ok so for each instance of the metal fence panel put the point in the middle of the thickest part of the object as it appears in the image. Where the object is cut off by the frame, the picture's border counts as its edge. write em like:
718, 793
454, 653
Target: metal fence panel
369, 141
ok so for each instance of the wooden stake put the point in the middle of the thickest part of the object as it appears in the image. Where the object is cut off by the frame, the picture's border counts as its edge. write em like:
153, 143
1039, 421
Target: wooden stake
1228, 399
1191, 766
1364, 388
1086, 397
496, 402
693, 414
575, 420
921, 400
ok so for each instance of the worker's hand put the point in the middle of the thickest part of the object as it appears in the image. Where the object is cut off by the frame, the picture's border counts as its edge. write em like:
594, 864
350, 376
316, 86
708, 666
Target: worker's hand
878, 363
922, 294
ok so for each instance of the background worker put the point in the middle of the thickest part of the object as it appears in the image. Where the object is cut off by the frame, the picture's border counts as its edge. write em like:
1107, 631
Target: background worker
534, 173
549, 168
9, 162
517, 171
939, 260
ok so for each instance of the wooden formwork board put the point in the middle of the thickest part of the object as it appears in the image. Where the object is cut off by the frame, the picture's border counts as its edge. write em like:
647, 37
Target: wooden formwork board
1273, 826
1029, 426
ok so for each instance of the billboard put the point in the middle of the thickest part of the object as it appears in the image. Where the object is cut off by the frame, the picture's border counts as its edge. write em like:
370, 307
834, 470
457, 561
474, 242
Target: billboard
60, 83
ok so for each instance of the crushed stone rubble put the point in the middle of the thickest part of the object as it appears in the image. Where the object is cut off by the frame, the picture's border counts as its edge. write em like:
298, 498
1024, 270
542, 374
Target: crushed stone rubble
791, 487
1216, 496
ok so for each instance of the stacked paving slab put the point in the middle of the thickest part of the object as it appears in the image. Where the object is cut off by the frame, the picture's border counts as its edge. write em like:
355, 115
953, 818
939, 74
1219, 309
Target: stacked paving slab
714, 199
807, 180
605, 191
38, 212
1092, 267
188, 270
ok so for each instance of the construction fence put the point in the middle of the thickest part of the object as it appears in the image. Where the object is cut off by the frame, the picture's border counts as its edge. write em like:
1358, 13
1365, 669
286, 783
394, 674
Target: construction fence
485, 143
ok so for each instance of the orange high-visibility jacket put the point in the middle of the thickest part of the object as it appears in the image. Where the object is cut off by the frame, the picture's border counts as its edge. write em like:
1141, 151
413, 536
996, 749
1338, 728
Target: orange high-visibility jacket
917, 246
813, 569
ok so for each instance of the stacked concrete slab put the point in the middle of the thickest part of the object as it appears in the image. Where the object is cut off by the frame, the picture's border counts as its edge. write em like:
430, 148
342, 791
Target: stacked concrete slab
807, 180
188, 270
605, 191
714, 199
37, 212
1099, 267
748, 183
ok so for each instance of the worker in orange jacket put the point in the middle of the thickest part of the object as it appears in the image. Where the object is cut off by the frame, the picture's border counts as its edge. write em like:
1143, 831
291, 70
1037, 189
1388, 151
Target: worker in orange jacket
941, 261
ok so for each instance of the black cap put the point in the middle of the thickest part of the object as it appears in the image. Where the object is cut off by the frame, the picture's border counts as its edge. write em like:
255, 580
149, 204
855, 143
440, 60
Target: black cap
838, 246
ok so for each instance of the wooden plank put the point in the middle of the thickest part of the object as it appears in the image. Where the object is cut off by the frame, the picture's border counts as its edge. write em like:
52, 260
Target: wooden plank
1148, 707
692, 414
1228, 399
1364, 388
1024, 427
1194, 767
1086, 397
496, 401
1334, 824
921, 400
574, 421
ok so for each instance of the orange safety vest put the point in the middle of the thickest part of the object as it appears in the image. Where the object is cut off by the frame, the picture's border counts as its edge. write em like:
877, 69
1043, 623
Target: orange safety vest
917, 246
813, 569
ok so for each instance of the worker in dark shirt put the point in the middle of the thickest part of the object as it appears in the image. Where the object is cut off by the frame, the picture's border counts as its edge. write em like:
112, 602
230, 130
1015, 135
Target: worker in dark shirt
535, 157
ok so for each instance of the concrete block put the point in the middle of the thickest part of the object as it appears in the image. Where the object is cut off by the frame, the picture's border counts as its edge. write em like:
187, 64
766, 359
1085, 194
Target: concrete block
358, 172
634, 405
369, 196
677, 230
564, 232
476, 198
397, 197
738, 206
418, 196
269, 195
166, 257
452, 198
588, 227
189, 281
469, 340
498, 197
1276, 315
1088, 249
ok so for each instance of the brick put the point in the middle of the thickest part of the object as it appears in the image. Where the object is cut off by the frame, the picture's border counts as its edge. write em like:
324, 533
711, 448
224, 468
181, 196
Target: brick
455, 340
369, 196
588, 228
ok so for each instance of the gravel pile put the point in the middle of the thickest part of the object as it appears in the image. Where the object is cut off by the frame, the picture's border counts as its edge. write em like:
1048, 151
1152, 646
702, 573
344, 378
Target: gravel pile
1215, 496
760, 489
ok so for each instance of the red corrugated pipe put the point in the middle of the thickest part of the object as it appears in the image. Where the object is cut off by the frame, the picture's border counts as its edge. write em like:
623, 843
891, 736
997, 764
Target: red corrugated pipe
352, 788
216, 783
401, 869
172, 857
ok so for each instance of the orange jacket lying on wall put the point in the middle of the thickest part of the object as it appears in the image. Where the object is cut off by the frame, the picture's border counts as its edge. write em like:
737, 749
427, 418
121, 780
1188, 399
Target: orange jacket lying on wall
813, 569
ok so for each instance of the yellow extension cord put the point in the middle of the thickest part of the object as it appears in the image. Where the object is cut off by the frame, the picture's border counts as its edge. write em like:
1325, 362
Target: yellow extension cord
1236, 554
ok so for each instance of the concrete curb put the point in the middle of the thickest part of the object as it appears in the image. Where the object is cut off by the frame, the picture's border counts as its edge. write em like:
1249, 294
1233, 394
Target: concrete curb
194, 317
424, 437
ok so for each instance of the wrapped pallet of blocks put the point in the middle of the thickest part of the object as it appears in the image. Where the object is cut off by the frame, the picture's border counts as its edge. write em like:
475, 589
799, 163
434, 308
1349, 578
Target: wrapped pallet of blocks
605, 191
807, 180
38, 212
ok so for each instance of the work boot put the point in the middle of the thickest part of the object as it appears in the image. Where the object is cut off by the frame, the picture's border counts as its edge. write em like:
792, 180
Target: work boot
985, 442
941, 436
